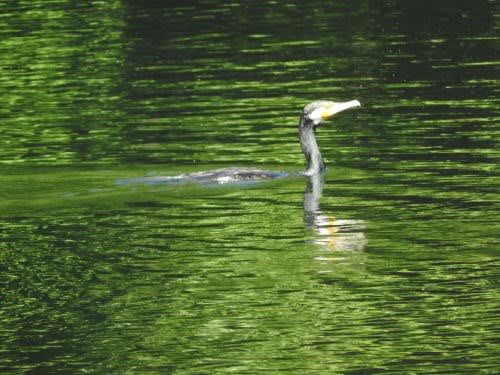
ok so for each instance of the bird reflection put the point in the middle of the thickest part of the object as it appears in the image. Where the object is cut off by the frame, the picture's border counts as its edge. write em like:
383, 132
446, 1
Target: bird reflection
334, 234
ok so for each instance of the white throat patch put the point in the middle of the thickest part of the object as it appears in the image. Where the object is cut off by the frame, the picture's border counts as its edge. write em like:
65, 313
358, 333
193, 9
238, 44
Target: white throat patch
316, 115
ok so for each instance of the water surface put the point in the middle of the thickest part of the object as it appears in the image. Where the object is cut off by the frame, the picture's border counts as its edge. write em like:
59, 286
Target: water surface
390, 265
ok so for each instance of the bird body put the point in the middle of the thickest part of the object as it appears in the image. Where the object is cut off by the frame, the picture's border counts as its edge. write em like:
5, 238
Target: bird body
215, 176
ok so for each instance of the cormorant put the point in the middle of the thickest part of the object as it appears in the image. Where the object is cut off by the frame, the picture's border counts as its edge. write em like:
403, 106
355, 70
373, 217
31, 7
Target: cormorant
312, 115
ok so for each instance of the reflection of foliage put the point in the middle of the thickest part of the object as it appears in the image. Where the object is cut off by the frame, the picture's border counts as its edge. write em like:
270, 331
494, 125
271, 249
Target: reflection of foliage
43, 281
184, 277
102, 81
60, 72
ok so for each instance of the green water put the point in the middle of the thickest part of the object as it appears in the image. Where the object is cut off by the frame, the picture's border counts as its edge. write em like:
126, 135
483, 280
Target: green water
393, 270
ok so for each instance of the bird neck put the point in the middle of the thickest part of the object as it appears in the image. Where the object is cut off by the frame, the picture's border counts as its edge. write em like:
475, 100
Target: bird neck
315, 164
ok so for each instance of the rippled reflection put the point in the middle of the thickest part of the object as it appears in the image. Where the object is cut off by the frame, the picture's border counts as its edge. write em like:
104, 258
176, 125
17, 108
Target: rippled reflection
335, 234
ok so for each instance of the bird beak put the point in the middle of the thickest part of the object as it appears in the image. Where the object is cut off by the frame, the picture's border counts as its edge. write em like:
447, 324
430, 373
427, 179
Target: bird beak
338, 107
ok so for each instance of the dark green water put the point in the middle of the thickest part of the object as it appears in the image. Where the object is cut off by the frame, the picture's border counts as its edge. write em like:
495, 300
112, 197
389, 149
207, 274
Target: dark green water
397, 270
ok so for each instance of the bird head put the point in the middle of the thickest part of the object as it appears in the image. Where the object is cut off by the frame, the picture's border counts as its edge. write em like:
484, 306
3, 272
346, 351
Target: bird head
316, 112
